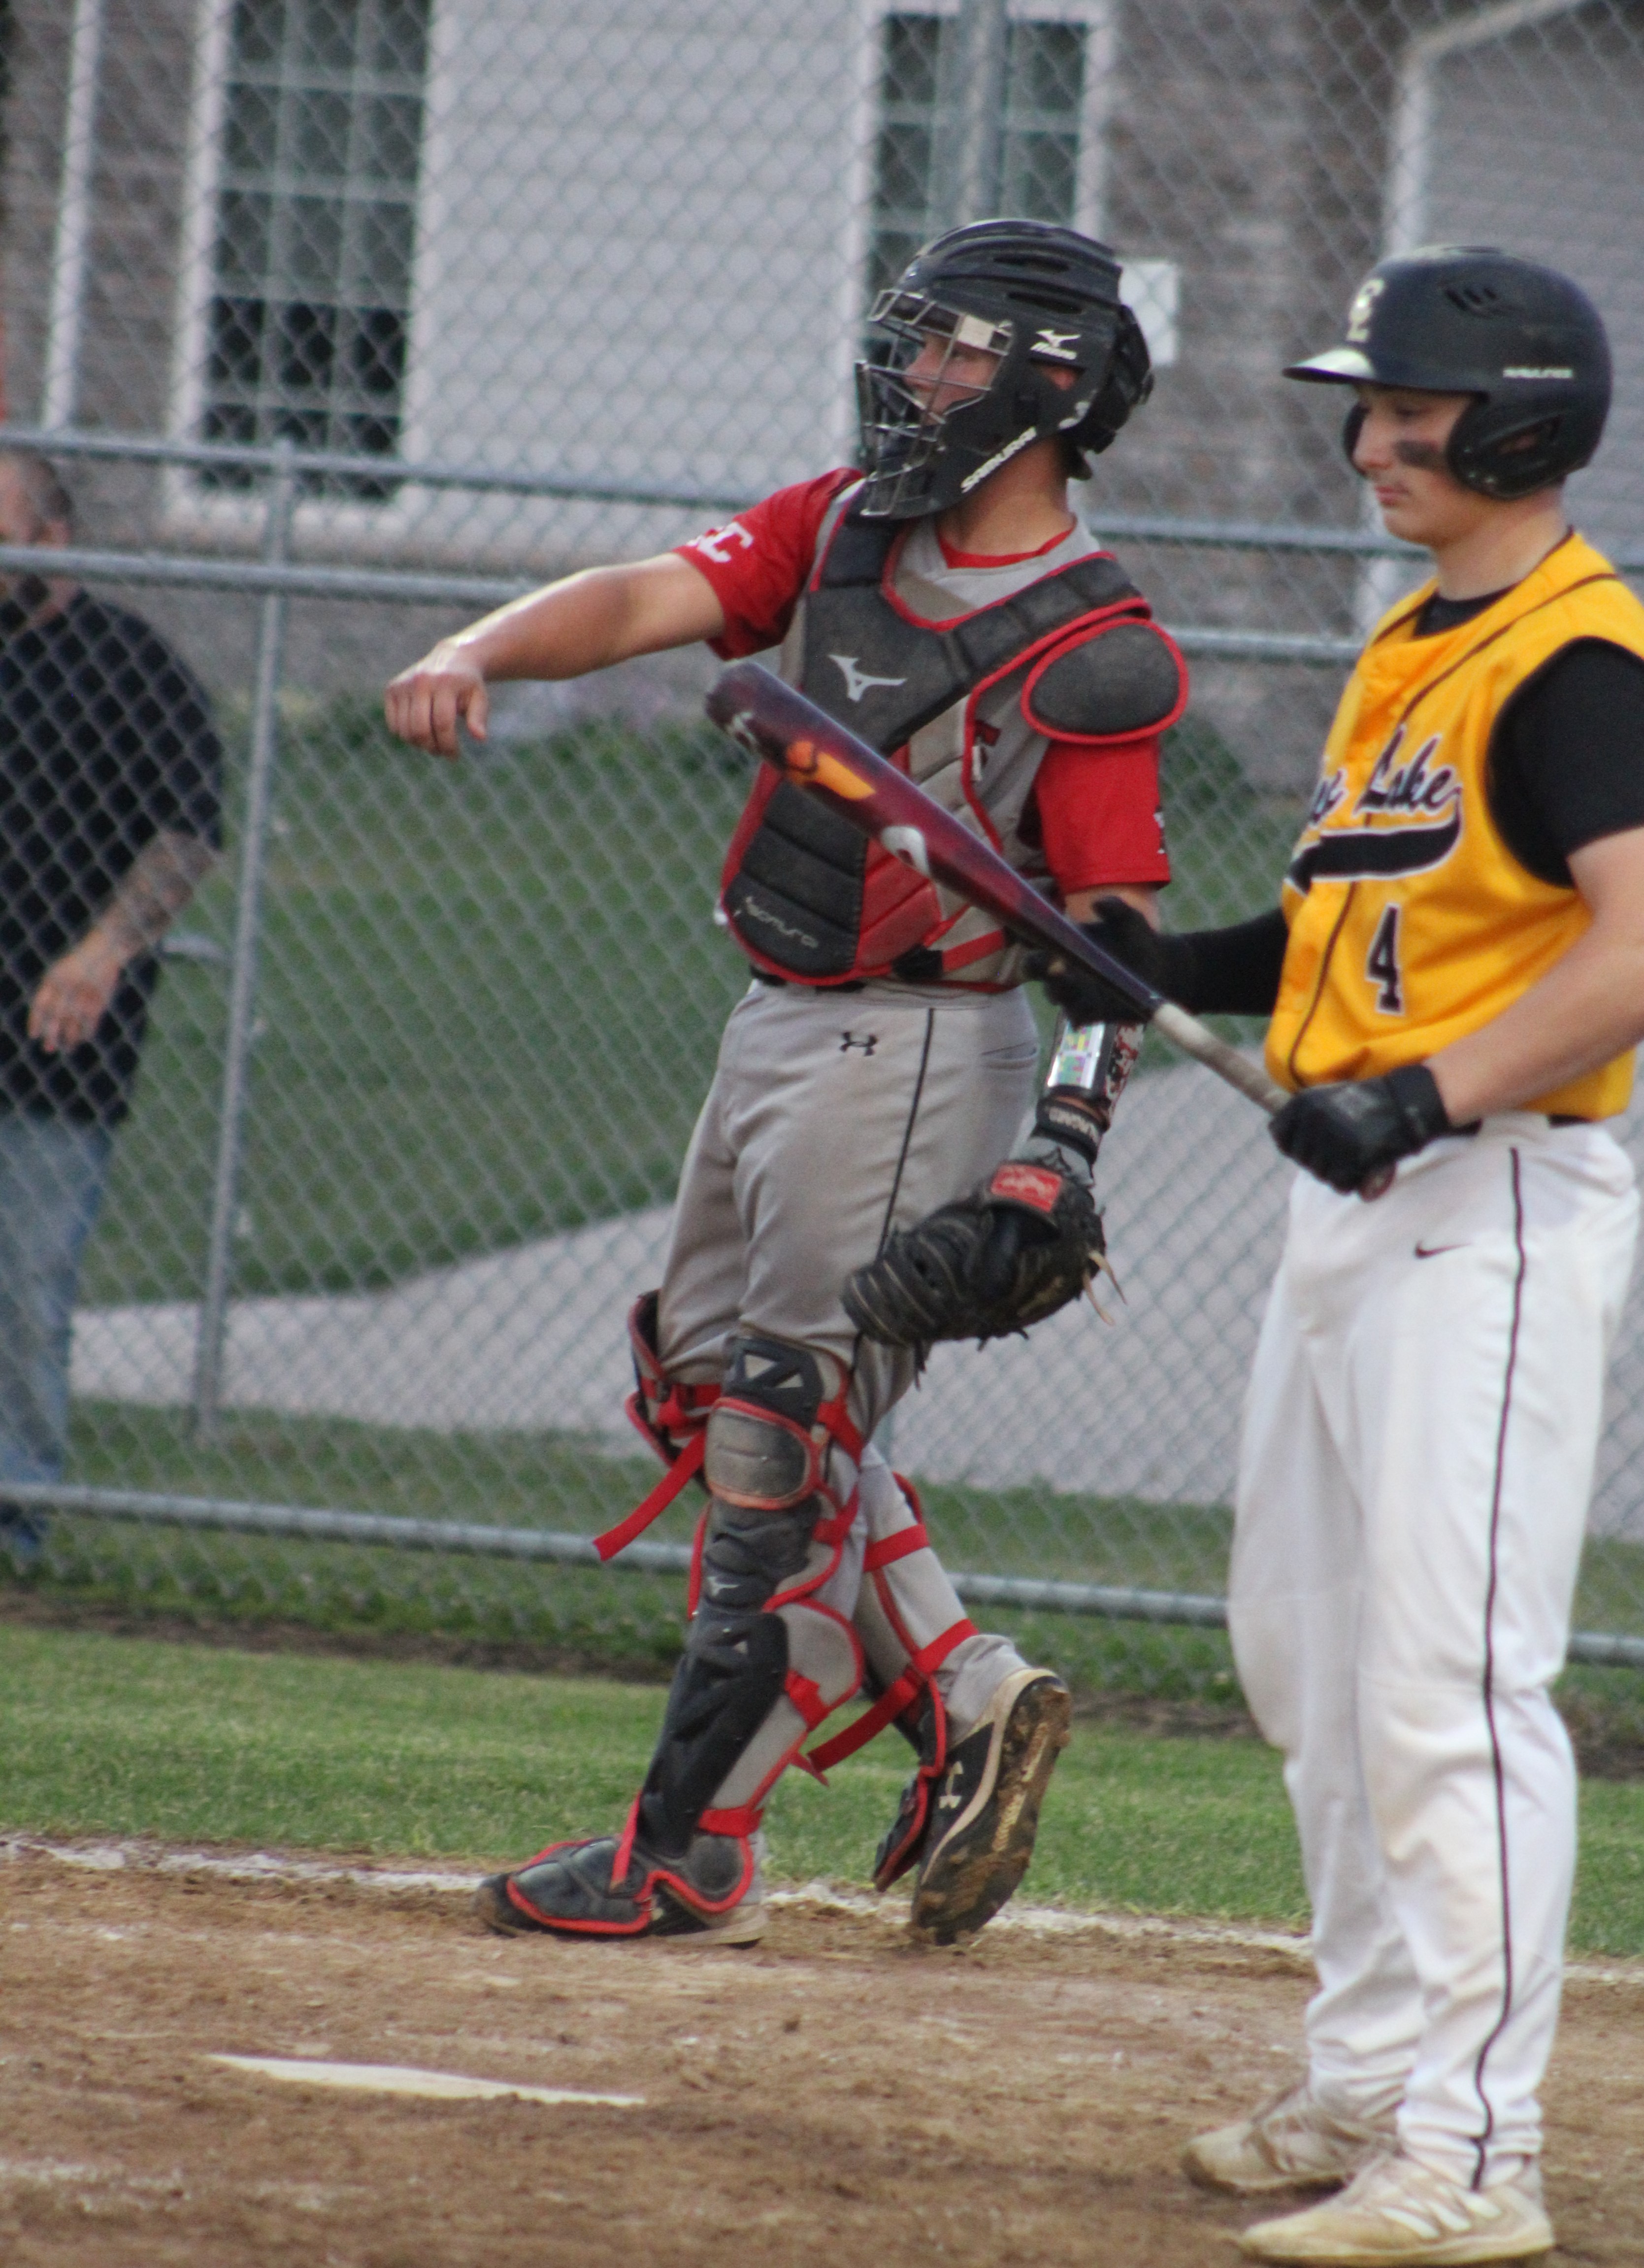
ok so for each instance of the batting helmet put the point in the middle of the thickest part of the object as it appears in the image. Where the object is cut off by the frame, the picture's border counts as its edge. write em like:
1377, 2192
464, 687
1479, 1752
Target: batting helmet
1525, 341
1040, 299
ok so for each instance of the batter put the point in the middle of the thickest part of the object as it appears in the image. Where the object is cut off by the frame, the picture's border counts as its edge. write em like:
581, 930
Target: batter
950, 606
1455, 982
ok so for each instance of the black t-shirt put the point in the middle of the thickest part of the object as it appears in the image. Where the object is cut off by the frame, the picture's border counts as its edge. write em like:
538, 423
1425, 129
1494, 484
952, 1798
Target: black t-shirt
1566, 758
106, 740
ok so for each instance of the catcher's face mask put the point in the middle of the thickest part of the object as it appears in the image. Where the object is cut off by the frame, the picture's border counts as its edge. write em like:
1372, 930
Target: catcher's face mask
931, 407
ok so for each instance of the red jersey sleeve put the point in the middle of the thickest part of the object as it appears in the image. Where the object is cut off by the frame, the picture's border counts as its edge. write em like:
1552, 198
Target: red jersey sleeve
1099, 814
758, 562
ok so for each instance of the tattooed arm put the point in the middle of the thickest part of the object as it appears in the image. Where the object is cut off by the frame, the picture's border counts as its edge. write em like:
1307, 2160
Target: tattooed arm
75, 992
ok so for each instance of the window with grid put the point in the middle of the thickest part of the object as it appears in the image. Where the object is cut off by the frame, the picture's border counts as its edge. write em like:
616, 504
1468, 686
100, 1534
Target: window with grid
315, 224
1039, 159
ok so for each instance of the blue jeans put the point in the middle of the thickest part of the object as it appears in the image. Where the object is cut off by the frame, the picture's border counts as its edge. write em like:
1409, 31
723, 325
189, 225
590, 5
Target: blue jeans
52, 1175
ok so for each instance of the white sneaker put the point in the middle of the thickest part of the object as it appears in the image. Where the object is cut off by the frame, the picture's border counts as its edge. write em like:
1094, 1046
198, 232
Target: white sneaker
1397, 2211
1292, 2143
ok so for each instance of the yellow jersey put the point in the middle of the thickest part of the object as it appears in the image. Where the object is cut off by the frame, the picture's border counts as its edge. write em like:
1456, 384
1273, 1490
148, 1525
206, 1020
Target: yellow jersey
1410, 920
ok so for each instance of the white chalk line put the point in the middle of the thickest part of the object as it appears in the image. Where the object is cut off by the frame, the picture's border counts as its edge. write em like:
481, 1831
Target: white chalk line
817, 1896
406, 2079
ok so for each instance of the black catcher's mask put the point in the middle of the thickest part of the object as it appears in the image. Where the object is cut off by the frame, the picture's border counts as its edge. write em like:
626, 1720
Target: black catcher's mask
1525, 341
1036, 297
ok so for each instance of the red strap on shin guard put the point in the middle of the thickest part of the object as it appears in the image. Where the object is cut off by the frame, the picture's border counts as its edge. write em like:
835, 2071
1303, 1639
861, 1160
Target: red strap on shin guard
745, 1820
673, 1483
888, 1549
891, 1703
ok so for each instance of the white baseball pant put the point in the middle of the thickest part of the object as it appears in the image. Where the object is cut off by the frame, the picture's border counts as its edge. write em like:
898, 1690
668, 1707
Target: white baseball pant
1422, 1423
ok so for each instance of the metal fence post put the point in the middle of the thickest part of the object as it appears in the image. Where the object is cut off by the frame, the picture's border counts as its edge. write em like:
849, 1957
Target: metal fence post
970, 189
247, 933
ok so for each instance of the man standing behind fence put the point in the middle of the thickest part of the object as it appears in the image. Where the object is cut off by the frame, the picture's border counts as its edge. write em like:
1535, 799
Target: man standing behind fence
110, 813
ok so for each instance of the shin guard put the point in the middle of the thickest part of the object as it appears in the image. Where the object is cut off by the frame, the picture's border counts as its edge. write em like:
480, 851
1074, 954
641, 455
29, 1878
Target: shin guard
767, 1657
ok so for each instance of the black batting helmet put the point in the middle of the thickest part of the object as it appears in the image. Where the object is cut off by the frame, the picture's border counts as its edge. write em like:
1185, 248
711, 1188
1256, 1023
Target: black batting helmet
1525, 341
1039, 298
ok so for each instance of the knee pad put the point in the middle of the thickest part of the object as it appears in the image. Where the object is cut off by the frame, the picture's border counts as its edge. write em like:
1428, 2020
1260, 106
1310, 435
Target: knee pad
780, 1409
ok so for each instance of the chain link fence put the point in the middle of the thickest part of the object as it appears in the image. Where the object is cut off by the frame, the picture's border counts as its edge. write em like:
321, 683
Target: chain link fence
344, 319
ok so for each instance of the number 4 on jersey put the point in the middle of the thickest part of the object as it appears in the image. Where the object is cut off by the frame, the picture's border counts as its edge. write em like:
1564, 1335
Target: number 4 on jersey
1381, 966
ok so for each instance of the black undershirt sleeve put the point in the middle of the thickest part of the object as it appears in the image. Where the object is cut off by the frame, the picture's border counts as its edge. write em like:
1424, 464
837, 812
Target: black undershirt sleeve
1228, 972
1567, 760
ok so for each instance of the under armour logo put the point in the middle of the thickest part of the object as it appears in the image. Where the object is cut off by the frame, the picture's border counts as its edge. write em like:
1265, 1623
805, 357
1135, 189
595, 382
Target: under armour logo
857, 682
1061, 344
866, 1040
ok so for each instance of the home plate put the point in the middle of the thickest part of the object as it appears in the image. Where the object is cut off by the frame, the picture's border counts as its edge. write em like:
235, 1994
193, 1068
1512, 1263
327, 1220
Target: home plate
403, 2079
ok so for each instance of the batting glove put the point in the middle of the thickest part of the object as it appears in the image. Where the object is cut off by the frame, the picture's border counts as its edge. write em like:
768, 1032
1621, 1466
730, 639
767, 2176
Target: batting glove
1131, 937
1346, 1134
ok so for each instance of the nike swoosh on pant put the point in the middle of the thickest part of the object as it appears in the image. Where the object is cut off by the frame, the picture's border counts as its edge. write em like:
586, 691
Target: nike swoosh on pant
1432, 1251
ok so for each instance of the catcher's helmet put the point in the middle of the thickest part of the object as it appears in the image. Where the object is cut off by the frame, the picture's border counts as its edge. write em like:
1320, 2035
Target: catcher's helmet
1525, 341
1039, 298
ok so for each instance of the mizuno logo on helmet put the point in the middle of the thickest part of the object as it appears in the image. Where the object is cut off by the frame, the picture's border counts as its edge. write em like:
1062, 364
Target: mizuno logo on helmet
1519, 371
857, 682
1060, 344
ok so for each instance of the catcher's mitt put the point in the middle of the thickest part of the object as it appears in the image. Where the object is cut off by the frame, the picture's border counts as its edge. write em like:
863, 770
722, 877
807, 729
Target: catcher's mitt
1012, 1253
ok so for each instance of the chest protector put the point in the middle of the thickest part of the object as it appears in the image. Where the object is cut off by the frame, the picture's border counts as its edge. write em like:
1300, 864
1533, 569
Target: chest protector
1410, 922
810, 899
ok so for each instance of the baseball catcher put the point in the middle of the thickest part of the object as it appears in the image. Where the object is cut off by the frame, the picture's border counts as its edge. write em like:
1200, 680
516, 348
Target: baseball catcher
948, 605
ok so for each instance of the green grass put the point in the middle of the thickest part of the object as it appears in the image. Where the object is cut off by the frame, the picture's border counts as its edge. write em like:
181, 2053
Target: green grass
104, 1735
126, 1736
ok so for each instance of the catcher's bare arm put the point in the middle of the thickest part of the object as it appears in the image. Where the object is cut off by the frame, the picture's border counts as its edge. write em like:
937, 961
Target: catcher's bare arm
587, 622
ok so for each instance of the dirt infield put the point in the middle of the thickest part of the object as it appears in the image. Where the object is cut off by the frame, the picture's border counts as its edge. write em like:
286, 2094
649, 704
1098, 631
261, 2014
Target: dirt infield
833, 2098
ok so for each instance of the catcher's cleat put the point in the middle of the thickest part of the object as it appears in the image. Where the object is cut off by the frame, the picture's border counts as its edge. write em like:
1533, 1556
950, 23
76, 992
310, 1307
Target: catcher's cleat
984, 1813
1399, 2212
568, 1891
1292, 2143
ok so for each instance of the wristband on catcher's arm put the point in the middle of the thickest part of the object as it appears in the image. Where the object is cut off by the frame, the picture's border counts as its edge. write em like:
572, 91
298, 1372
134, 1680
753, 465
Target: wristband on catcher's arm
1088, 1074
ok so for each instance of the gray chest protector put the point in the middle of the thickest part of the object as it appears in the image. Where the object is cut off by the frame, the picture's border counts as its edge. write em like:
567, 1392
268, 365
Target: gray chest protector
806, 896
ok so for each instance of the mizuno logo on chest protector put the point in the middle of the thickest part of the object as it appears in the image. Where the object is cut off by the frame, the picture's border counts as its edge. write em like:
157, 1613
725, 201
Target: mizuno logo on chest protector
857, 682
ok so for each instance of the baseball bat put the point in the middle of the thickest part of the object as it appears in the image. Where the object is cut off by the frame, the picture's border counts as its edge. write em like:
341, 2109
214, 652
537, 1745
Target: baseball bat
779, 725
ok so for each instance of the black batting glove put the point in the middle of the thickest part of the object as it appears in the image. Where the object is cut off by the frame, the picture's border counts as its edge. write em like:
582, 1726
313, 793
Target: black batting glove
1130, 937
1350, 1133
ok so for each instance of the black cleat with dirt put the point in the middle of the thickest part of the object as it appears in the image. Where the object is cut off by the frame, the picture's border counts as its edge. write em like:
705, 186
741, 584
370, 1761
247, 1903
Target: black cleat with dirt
986, 1811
